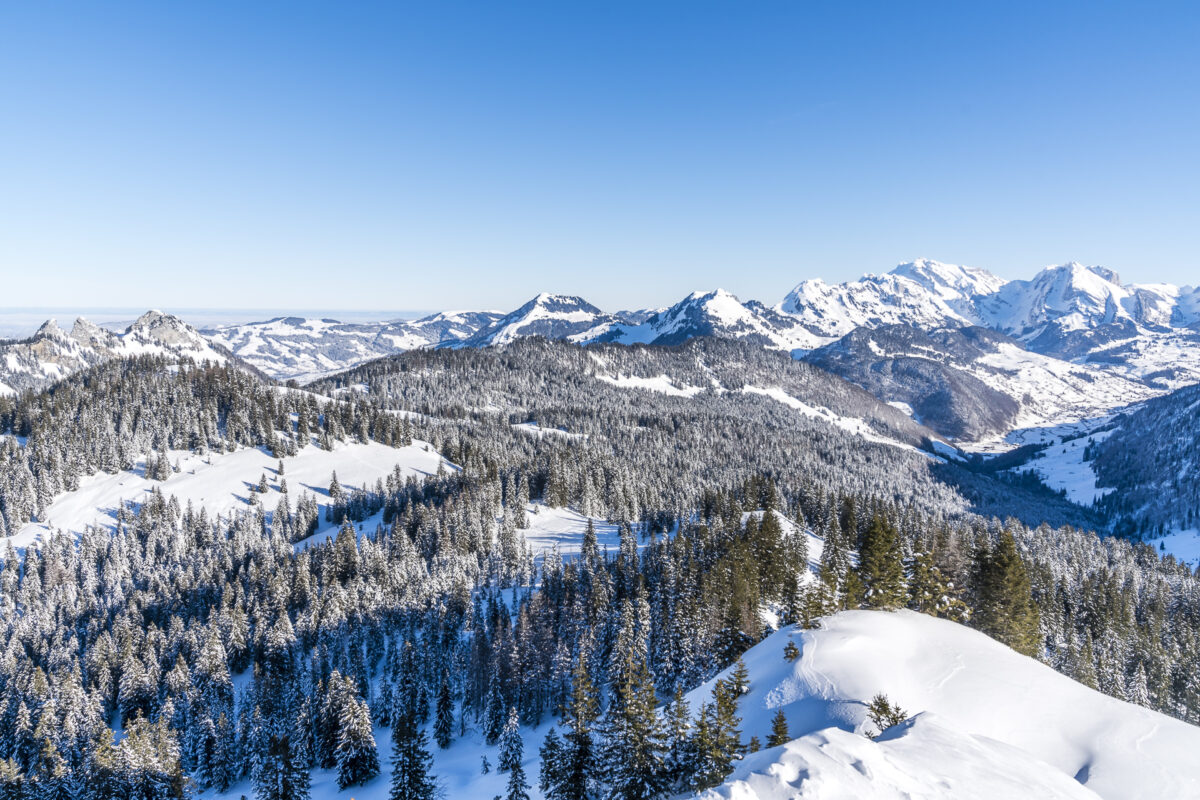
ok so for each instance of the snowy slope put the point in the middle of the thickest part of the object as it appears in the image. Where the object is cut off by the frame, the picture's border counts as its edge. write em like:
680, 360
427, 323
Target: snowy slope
221, 482
971, 684
974, 384
304, 349
923, 758
1062, 467
551, 315
926, 294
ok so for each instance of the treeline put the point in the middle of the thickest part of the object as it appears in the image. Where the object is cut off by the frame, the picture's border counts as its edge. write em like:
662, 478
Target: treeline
104, 418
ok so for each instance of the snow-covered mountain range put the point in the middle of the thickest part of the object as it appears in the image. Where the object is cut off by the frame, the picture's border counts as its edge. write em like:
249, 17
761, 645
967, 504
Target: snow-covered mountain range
300, 349
967, 353
53, 353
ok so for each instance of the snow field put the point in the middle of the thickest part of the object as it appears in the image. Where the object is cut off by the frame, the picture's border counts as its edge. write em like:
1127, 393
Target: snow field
221, 482
969, 683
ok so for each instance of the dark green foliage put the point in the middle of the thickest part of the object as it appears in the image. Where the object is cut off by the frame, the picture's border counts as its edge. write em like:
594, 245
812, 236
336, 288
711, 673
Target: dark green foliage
635, 743
410, 761
1004, 606
884, 714
443, 729
881, 565
779, 730
279, 774
931, 592
581, 768
552, 773
357, 757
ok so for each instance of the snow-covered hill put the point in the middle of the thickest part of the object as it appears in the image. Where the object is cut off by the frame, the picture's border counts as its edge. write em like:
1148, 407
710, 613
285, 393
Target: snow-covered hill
989, 723
53, 353
553, 316
716, 313
305, 349
221, 483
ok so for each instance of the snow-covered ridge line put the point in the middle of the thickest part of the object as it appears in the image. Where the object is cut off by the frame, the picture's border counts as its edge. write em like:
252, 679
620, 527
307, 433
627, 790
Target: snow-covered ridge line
1012, 720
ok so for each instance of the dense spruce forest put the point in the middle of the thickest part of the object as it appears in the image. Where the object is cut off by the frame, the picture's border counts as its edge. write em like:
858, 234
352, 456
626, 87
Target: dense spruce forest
220, 650
1149, 459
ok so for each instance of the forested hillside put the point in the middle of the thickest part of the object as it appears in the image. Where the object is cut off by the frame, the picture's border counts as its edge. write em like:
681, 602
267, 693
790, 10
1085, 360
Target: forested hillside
227, 656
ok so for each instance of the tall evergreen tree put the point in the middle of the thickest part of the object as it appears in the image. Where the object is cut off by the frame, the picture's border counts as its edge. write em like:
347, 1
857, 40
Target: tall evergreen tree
881, 565
552, 773
511, 745
581, 767
635, 745
410, 760
357, 756
443, 728
779, 730
1004, 606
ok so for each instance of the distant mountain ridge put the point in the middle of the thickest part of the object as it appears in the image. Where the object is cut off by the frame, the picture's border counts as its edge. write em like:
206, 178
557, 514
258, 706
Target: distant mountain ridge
53, 353
1071, 342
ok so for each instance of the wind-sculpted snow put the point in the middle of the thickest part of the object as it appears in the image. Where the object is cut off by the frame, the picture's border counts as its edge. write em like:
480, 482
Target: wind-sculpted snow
923, 758
985, 711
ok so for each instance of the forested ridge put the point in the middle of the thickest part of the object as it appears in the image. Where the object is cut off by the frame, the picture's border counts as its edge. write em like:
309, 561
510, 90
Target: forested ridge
438, 619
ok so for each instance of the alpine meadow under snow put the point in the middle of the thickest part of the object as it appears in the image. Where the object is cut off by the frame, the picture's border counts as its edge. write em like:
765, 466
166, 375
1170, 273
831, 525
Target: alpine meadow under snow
927, 534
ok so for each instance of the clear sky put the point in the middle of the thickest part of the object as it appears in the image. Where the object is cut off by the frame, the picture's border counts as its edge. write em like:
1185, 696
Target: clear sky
350, 155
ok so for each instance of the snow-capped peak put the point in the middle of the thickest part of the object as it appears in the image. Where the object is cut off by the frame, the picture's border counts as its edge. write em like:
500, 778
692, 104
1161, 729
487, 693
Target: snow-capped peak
711, 313
1076, 295
920, 293
50, 330
554, 316
951, 282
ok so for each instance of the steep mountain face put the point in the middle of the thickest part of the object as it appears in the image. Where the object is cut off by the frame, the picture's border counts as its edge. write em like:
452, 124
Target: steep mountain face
1076, 312
553, 316
52, 353
927, 294
1150, 463
305, 349
972, 383
927, 372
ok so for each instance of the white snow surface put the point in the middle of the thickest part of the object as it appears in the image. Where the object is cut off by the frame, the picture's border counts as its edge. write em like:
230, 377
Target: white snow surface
1183, 544
851, 425
220, 483
659, 383
1062, 468
923, 758
1006, 709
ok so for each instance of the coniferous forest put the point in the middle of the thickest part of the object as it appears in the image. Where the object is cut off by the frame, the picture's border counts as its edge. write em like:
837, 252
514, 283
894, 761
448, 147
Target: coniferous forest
183, 652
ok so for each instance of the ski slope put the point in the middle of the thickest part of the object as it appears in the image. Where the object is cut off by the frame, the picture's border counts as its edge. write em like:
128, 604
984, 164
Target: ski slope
982, 705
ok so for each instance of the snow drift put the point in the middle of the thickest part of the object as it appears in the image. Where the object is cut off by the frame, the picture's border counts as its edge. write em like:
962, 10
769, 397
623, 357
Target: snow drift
981, 710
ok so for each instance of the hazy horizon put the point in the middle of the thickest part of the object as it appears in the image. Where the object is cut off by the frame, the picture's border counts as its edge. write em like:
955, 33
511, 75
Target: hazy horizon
472, 155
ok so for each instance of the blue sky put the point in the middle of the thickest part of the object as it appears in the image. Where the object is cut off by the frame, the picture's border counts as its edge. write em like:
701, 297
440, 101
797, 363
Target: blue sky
350, 155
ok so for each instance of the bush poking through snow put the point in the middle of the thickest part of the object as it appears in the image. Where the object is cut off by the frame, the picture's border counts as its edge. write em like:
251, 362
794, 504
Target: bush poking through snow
884, 714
